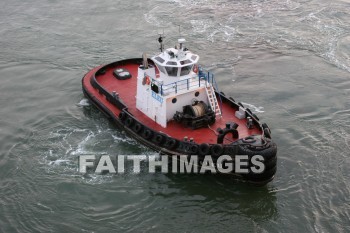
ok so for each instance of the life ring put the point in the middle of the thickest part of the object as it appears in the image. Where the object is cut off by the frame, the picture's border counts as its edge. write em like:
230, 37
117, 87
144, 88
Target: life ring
146, 80
195, 69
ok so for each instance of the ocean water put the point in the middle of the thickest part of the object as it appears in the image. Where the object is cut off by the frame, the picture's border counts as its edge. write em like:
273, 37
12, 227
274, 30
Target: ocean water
288, 60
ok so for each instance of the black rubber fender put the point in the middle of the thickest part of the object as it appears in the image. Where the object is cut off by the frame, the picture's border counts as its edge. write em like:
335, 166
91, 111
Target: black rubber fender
171, 143
249, 111
194, 149
232, 99
204, 149
267, 163
147, 134
231, 150
267, 133
159, 139
270, 163
217, 150
264, 125
129, 122
232, 102
265, 175
138, 127
255, 116
122, 116
268, 153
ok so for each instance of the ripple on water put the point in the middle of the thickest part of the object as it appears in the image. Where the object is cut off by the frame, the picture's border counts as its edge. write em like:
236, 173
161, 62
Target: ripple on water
277, 50
342, 52
322, 156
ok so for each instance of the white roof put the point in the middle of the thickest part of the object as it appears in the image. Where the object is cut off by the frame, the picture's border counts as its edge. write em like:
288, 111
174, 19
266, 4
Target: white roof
175, 58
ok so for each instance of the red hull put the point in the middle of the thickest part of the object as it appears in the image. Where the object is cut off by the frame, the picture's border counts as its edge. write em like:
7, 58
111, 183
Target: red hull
100, 83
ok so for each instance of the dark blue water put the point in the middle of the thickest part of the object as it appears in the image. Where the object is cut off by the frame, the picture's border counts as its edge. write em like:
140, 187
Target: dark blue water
288, 60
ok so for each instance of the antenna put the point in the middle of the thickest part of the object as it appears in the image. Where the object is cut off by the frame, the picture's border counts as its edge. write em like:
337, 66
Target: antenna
179, 30
161, 40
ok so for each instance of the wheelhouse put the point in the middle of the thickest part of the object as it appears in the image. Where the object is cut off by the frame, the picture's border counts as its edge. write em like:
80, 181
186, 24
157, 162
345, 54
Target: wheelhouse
176, 62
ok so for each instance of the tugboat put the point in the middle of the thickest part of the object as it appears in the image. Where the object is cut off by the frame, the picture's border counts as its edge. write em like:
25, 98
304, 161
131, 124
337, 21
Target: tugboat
171, 104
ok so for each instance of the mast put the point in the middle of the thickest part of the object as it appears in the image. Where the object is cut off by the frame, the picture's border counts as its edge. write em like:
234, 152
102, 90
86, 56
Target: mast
160, 40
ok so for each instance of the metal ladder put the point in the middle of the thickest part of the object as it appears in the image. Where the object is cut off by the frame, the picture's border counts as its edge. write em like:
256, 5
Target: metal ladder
213, 100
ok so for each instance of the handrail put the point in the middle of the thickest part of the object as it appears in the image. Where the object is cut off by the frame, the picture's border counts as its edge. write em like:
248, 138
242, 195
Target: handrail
175, 87
185, 84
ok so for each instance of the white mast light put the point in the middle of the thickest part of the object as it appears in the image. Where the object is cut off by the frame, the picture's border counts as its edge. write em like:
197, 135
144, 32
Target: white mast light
181, 41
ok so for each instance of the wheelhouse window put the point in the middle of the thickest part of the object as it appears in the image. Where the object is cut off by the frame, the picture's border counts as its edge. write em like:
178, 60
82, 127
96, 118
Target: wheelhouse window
161, 69
185, 70
172, 71
154, 88
161, 60
193, 57
171, 63
185, 62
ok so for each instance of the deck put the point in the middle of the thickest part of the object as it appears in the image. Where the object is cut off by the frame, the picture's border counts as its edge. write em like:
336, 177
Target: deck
127, 92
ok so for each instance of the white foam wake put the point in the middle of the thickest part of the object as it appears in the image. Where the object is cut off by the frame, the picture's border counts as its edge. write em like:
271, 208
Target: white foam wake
254, 108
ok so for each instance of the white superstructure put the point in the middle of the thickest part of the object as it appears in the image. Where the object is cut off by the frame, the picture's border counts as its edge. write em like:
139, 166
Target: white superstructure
161, 94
